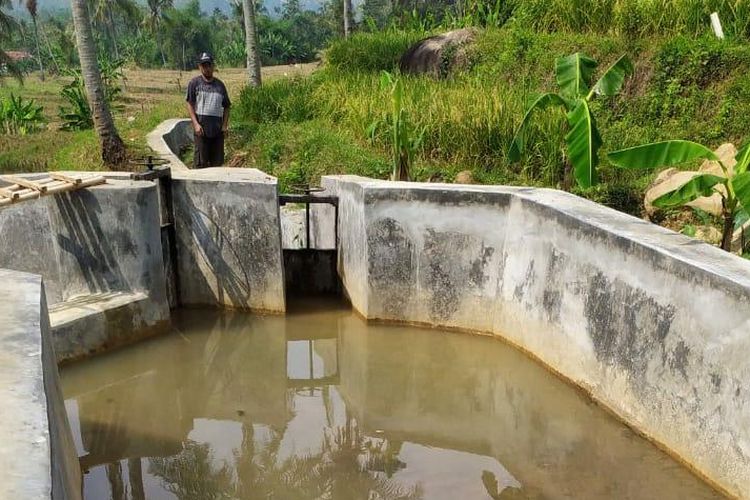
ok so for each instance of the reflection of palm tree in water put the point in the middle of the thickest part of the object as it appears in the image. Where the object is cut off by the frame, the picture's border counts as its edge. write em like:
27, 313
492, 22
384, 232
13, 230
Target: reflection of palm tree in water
350, 466
190, 475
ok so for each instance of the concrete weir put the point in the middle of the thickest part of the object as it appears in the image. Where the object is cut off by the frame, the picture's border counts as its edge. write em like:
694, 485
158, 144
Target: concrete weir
652, 324
90, 273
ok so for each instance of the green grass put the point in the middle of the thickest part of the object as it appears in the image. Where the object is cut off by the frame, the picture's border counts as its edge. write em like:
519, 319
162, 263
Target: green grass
301, 152
683, 87
54, 149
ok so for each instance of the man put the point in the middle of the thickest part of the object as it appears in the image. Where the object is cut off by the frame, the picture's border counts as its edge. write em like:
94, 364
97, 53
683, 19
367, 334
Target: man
208, 104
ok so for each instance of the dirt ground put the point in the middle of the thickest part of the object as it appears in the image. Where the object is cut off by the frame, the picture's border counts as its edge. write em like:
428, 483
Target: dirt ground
153, 83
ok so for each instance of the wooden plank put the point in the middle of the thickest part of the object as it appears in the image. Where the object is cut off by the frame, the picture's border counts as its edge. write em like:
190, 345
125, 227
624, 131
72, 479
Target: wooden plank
29, 195
93, 181
61, 188
24, 183
8, 193
67, 178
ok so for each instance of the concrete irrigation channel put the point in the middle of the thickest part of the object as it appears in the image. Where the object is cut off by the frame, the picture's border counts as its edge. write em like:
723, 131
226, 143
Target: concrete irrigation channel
651, 325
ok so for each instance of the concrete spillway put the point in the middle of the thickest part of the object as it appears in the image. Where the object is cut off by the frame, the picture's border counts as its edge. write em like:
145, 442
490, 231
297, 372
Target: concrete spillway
651, 324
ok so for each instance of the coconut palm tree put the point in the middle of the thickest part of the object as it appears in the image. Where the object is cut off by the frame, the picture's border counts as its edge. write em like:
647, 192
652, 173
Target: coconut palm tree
113, 149
156, 10
104, 14
31, 7
251, 43
347, 18
7, 24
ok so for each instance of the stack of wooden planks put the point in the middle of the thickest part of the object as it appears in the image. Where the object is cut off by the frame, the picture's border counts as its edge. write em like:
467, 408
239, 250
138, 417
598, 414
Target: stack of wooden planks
21, 188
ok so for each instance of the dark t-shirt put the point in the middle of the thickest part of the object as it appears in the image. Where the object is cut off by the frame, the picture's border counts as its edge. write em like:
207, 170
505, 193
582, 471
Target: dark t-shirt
209, 100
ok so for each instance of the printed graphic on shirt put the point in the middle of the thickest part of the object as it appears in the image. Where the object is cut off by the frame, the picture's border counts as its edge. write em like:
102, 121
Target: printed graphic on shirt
209, 99
209, 103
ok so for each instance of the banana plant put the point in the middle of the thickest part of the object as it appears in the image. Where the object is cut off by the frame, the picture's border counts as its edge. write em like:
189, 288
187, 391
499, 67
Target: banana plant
733, 185
573, 74
405, 137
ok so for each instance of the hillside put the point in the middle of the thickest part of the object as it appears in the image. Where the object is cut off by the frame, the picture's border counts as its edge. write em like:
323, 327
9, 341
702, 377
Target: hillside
683, 87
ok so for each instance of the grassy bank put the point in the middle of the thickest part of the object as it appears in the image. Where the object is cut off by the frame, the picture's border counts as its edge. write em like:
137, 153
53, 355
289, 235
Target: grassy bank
148, 98
683, 87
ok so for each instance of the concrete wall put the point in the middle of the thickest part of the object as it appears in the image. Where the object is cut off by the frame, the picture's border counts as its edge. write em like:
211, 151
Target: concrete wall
169, 139
652, 324
228, 239
92, 245
38, 459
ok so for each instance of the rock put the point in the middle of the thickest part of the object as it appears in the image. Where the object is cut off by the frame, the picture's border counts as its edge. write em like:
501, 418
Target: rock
464, 177
438, 55
671, 179
726, 153
709, 234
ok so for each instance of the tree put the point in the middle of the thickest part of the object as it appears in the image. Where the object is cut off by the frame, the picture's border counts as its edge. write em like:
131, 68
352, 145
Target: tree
6, 26
31, 7
113, 149
291, 9
156, 10
348, 16
251, 43
376, 12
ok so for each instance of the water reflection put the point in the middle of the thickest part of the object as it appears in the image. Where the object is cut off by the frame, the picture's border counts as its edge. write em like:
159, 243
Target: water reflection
318, 405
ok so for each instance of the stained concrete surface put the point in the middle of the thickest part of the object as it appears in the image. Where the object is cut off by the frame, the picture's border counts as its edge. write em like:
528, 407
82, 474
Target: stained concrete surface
91, 243
228, 239
38, 459
651, 323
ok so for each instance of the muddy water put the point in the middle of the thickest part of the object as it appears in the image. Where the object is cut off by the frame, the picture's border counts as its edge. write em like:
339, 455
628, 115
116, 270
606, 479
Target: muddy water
320, 405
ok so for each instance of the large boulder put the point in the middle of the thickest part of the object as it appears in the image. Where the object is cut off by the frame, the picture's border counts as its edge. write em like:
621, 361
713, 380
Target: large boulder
440, 54
671, 179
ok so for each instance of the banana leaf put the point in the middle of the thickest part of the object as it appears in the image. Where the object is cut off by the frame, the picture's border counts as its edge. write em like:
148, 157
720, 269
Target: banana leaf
573, 74
660, 154
611, 81
697, 187
743, 159
541, 102
741, 185
583, 142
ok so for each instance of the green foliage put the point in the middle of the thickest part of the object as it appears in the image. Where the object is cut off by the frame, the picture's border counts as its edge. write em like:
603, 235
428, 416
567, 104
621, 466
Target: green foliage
405, 137
287, 99
573, 75
76, 113
468, 120
371, 51
735, 183
19, 116
299, 153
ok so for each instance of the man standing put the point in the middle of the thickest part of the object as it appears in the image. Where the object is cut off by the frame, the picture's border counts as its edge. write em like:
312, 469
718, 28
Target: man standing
208, 104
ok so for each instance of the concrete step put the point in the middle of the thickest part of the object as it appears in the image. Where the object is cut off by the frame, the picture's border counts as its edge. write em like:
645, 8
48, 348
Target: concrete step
86, 324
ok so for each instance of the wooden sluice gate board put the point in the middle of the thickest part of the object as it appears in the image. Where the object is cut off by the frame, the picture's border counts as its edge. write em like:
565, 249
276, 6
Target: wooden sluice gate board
14, 189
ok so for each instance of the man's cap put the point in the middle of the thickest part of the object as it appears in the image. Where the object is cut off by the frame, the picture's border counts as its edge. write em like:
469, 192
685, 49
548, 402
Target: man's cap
205, 57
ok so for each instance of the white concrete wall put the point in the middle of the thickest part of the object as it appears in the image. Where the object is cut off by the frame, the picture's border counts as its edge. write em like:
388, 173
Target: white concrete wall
97, 241
38, 459
654, 325
228, 239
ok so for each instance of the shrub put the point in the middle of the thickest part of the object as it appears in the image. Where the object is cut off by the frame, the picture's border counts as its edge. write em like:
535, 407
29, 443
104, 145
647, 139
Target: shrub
373, 52
20, 117
286, 99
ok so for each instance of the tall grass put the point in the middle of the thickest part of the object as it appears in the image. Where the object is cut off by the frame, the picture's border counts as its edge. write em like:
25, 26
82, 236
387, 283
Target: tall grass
371, 51
695, 88
620, 17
